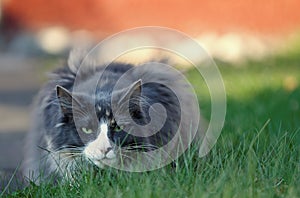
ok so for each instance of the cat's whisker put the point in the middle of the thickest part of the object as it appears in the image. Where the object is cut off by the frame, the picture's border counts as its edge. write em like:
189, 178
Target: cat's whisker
71, 154
81, 111
139, 160
69, 157
142, 146
152, 147
127, 157
70, 150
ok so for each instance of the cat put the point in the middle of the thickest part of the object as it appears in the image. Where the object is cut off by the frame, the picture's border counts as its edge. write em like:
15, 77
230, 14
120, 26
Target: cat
91, 122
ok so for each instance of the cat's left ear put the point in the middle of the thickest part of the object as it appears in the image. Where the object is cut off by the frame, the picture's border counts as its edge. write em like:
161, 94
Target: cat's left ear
66, 100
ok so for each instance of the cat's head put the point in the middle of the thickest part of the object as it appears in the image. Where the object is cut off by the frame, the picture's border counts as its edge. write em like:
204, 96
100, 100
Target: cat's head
90, 121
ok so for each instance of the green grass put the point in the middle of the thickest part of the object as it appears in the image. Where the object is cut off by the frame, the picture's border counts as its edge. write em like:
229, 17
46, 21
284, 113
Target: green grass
257, 154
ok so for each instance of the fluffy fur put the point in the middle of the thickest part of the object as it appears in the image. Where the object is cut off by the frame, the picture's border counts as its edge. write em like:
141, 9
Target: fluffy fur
71, 126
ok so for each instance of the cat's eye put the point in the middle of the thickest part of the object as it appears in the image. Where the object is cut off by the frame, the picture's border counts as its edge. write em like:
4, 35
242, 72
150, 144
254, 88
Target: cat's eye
86, 130
118, 128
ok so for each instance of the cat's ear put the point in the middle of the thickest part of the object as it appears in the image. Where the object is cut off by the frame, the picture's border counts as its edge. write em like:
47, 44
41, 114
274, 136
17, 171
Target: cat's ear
65, 99
133, 91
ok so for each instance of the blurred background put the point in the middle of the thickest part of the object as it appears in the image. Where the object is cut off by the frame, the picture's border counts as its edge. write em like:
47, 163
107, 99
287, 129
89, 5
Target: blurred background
35, 35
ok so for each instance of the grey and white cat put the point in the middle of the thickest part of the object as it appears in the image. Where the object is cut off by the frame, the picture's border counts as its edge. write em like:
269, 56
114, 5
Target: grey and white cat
71, 125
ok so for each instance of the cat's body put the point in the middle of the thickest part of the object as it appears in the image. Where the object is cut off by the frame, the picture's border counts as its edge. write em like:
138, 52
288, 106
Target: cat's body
88, 122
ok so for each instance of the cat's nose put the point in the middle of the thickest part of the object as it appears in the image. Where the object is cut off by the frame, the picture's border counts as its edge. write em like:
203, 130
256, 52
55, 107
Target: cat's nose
107, 150
110, 154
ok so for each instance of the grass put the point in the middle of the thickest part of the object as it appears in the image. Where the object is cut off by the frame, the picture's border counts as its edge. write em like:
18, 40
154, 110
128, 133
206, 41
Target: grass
257, 154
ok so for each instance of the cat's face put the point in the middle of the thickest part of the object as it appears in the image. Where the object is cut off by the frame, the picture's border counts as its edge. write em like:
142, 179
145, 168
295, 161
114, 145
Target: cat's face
90, 119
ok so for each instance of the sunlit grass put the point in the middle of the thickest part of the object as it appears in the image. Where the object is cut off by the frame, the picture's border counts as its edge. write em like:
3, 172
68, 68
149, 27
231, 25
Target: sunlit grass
257, 154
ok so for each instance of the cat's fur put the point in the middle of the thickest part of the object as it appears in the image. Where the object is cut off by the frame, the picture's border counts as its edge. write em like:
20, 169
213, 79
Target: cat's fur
55, 144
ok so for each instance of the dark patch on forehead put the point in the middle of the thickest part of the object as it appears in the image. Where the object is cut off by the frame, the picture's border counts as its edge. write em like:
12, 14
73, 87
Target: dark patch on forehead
103, 111
103, 105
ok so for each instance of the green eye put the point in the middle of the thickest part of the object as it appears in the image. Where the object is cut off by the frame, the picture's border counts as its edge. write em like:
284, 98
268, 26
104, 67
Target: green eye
118, 128
87, 131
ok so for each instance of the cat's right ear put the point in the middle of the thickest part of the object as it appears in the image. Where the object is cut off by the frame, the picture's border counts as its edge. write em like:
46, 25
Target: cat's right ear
65, 99
133, 91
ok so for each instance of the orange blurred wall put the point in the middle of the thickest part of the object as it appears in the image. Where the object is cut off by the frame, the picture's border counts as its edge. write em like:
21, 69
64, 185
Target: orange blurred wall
193, 17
